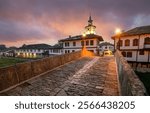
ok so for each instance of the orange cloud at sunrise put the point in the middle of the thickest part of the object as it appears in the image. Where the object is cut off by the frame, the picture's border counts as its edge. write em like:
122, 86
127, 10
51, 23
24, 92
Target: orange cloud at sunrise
51, 20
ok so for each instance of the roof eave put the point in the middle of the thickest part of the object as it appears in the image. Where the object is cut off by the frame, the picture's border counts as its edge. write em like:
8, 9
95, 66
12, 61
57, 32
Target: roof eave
125, 35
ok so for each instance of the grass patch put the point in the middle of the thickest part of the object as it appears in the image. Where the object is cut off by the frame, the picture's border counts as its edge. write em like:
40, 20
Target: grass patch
5, 61
145, 78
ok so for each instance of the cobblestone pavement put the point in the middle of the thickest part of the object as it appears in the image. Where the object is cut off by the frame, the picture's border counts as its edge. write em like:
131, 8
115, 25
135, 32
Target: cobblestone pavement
88, 76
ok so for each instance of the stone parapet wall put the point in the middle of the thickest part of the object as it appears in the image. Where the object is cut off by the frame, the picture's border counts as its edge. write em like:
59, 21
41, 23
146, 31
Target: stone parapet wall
130, 85
140, 67
18, 73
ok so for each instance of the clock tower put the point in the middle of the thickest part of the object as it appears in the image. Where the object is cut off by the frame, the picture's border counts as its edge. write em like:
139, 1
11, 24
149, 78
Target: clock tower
90, 28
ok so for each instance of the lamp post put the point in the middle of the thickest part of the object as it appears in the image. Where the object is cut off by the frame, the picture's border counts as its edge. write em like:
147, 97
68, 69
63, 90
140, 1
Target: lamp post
118, 32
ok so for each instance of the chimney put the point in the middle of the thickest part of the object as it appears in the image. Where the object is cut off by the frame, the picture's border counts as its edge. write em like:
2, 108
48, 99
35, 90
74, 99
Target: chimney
69, 36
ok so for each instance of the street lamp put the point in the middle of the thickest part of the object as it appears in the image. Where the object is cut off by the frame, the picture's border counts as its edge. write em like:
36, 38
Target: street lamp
118, 33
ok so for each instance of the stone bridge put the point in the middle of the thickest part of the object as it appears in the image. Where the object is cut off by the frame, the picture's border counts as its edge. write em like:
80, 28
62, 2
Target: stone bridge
72, 75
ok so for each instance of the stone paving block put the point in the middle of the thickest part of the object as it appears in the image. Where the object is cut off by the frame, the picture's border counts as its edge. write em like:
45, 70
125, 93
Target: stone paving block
62, 93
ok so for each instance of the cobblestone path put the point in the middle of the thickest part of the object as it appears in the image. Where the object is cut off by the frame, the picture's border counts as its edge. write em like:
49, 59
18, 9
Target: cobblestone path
88, 76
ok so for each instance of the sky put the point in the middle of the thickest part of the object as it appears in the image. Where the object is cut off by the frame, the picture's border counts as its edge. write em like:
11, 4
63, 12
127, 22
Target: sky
47, 21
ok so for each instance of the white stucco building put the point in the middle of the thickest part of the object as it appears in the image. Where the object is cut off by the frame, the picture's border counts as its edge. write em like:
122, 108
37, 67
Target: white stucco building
106, 48
135, 45
38, 50
32, 51
89, 39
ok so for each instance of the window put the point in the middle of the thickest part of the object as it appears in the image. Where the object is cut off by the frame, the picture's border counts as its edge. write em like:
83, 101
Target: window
66, 44
68, 51
141, 52
82, 43
110, 47
91, 42
65, 51
106, 47
32, 54
87, 42
129, 54
73, 50
74, 43
124, 54
147, 40
127, 42
135, 42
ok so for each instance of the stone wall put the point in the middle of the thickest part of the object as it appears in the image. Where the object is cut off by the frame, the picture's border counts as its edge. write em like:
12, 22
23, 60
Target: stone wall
18, 73
140, 67
130, 85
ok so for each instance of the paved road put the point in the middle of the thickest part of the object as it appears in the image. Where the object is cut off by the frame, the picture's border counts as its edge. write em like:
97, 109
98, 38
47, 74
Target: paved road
88, 76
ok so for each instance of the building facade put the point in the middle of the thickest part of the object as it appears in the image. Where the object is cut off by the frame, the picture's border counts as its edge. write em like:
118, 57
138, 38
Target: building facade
134, 45
89, 39
106, 48
32, 51
57, 49
38, 51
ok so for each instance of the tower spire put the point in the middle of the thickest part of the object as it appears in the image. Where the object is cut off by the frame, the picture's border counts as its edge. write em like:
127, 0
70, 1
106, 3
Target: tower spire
90, 21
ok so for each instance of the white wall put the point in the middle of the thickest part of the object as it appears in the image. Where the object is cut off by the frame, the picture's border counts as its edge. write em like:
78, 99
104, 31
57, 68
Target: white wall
78, 46
78, 43
109, 47
133, 58
131, 38
131, 42
56, 52
143, 58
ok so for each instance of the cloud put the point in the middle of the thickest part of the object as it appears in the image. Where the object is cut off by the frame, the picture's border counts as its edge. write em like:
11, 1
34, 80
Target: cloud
46, 21
141, 20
